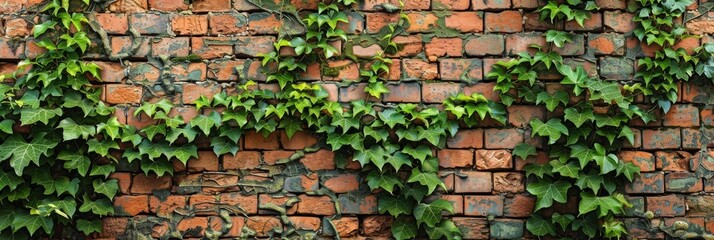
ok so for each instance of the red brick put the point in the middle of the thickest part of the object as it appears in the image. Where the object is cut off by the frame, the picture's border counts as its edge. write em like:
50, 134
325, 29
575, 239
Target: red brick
503, 138
112, 72
683, 182
171, 47
469, 70
114, 226
187, 225
450, 4
611, 4
166, 207
377, 21
131, 205
168, 5
305, 223
249, 203
211, 5
493, 159
241, 160
439, 47
377, 226
661, 139
142, 184
150, 23
123, 179
127, 6
666, 206
422, 22
457, 202
505, 22
289, 201
122, 44
300, 140
255, 140
190, 24
483, 88
519, 206
316, 205
421, 70
207, 161
346, 226
342, 183
473, 228
682, 115
490, 5
212, 47
467, 138
646, 183
370, 5
191, 92
473, 182
411, 46
466, 22
123, 94
521, 115
451, 158
272, 157
486, 44
113, 23
9, 50
675, 161
226, 24
483, 206
404, 92
707, 117
644, 160
438, 92
263, 23
189, 71
348, 70
606, 44
509, 182
321, 160
619, 21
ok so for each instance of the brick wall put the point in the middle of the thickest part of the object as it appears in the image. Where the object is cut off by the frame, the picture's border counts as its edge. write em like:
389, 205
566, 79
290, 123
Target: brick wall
484, 179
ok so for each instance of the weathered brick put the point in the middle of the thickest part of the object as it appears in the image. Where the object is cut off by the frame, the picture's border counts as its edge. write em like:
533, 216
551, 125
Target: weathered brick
350, 204
170, 47
646, 183
620, 22
467, 138
644, 160
419, 69
211, 5
168, 5
508, 182
661, 139
504, 22
451, 158
377, 226
683, 182
483, 206
616, 68
439, 47
143, 184
469, 70
264, 225
507, 229
606, 44
473, 182
123, 94
503, 138
666, 206
486, 44
190, 24
206, 161
228, 23
403, 92
466, 22
342, 183
450, 4
422, 22
472, 228
150, 23
316, 205
493, 159
192, 91
682, 115
519, 206
490, 5
438, 92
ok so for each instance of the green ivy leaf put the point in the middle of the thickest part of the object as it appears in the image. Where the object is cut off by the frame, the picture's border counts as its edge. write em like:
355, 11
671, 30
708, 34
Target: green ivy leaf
108, 188
398, 159
158, 167
391, 117
375, 154
430, 180
571, 169
6, 125
563, 220
32, 222
404, 228
421, 152
551, 102
89, 227
23, 153
184, 153
101, 207
187, 131
552, 129
538, 226
547, 192
591, 180
102, 170
345, 122
607, 204
152, 130
431, 213
7, 216
222, 146
71, 130
102, 148
205, 123
386, 181
523, 150
395, 205
32, 115
445, 229
578, 118
9, 180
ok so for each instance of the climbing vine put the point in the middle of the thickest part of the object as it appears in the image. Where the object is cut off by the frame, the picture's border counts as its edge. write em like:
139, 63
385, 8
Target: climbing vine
583, 140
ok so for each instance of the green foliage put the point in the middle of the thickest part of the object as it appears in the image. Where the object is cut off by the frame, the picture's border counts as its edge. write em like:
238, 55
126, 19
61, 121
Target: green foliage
46, 186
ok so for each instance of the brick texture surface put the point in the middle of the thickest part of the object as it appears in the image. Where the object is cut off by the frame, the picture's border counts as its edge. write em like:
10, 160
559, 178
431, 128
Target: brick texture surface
230, 35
